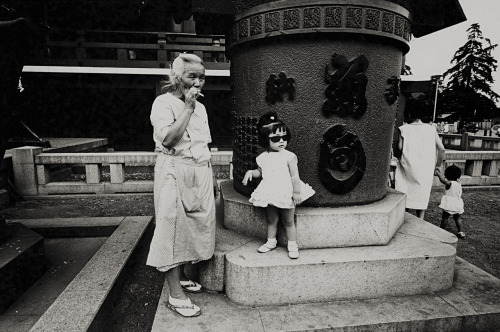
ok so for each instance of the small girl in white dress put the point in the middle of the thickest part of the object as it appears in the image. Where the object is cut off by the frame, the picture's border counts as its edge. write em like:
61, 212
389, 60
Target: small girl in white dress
451, 202
281, 188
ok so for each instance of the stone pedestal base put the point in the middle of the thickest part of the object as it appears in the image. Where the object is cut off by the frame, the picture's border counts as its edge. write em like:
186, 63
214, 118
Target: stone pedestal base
321, 227
409, 255
408, 265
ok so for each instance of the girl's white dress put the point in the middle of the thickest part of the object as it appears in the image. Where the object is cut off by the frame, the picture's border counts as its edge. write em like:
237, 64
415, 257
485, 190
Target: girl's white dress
276, 186
452, 201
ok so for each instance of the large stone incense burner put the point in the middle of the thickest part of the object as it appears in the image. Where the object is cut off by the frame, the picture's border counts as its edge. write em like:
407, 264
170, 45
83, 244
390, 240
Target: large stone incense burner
329, 63
331, 70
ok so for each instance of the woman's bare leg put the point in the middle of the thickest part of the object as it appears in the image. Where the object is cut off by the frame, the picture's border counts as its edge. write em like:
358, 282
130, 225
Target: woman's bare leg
173, 280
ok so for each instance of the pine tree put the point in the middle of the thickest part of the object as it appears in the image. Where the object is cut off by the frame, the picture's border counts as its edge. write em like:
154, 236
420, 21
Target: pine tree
468, 89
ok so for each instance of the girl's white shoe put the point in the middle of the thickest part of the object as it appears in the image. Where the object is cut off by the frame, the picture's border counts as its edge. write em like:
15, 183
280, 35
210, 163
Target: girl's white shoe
268, 246
293, 251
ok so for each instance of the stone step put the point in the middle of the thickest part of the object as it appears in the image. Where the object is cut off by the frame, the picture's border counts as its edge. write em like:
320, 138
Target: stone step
320, 227
471, 304
418, 260
211, 273
22, 262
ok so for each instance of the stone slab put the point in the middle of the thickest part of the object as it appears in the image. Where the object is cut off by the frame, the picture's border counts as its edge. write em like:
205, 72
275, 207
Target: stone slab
471, 304
415, 227
22, 263
408, 265
320, 227
211, 272
218, 315
72, 227
77, 308
70, 222
67, 257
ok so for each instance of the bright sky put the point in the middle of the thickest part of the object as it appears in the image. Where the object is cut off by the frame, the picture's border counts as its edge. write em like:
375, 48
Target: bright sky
432, 54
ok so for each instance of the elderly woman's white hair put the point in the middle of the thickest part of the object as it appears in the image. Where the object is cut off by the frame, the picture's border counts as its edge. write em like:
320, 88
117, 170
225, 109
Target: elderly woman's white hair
171, 82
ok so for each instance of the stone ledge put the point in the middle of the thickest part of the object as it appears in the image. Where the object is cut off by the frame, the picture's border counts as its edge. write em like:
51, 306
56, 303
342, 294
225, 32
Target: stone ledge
22, 262
471, 304
212, 273
322, 227
79, 305
73, 227
408, 265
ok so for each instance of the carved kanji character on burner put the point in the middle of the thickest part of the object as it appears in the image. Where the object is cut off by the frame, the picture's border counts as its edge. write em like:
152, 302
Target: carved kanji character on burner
279, 85
346, 87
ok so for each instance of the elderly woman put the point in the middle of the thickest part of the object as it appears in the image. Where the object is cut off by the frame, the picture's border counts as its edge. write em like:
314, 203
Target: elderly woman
183, 185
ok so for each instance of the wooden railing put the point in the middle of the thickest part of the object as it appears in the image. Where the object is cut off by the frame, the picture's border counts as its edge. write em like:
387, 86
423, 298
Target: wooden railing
130, 49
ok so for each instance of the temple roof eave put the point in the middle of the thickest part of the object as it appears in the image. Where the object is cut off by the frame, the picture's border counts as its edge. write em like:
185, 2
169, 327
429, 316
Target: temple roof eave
431, 16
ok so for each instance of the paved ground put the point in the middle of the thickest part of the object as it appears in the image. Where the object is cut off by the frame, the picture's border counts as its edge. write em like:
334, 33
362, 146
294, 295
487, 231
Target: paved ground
67, 256
137, 307
481, 217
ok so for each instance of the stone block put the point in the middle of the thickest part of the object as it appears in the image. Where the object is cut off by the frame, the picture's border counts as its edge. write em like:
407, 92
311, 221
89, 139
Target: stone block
80, 307
22, 262
93, 173
25, 154
24, 169
320, 227
410, 264
414, 226
471, 304
117, 172
212, 271
43, 174
490, 168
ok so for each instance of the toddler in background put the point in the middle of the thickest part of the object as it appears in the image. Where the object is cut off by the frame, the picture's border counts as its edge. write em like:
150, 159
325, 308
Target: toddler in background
451, 202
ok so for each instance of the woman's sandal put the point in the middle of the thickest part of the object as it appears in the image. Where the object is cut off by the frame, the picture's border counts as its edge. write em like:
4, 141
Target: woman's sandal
185, 310
191, 286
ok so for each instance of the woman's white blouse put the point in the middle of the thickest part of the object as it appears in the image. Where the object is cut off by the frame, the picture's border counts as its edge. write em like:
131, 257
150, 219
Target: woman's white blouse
194, 141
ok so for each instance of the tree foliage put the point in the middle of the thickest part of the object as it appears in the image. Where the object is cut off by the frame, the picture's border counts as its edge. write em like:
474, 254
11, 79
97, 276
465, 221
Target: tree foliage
468, 92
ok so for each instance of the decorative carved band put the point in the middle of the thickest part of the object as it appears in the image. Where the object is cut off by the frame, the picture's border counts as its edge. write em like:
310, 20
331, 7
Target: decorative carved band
320, 16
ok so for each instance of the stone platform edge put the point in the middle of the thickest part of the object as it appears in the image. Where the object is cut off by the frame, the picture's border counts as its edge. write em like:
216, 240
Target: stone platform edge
82, 305
470, 305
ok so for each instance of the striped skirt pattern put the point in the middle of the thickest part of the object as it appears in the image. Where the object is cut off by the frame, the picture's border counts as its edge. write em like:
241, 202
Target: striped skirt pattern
184, 213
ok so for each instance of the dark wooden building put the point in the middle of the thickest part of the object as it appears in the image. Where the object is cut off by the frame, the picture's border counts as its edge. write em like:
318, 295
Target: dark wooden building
94, 67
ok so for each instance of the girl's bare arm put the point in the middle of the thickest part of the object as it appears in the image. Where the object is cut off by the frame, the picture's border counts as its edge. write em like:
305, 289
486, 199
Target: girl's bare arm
251, 174
294, 173
441, 177
440, 151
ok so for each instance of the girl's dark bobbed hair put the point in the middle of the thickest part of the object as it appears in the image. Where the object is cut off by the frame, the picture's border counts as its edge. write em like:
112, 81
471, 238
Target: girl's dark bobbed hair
269, 124
452, 173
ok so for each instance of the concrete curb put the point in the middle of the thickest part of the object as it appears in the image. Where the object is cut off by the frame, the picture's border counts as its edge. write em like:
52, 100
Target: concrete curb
470, 305
82, 305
